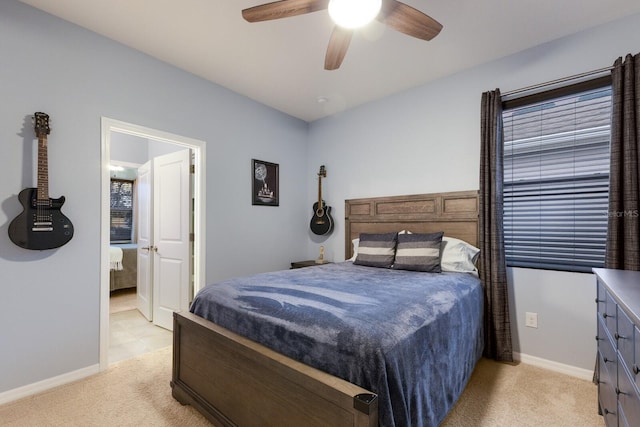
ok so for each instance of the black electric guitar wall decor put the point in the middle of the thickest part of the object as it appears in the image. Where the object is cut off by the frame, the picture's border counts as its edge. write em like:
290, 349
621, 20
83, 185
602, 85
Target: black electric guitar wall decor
321, 223
41, 225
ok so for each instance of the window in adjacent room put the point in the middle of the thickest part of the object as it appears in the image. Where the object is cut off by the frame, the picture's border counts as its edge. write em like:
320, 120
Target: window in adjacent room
556, 177
121, 210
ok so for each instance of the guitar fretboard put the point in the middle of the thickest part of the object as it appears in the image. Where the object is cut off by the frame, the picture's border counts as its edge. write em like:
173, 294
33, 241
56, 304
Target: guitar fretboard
43, 171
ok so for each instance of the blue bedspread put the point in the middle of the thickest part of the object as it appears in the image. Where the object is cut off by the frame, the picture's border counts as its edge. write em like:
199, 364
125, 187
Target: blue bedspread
411, 337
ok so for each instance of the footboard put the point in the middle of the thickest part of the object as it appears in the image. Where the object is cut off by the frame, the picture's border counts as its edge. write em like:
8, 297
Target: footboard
234, 381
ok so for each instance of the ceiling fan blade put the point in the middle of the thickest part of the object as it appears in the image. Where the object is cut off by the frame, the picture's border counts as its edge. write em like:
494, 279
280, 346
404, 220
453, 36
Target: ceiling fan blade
407, 20
283, 9
338, 45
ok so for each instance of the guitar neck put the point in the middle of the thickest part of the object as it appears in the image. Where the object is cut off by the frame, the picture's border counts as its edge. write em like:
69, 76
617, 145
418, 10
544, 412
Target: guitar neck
319, 190
43, 169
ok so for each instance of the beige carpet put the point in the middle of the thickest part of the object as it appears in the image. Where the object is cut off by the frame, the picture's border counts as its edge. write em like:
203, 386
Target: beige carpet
136, 392
521, 395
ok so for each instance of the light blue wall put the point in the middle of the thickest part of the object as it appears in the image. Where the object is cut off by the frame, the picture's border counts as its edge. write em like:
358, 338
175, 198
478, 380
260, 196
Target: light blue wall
49, 301
427, 140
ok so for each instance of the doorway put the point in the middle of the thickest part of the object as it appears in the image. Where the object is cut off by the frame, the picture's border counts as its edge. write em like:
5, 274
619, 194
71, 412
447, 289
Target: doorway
110, 128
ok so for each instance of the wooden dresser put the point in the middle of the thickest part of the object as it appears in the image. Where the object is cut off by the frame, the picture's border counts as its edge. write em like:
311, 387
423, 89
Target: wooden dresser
618, 338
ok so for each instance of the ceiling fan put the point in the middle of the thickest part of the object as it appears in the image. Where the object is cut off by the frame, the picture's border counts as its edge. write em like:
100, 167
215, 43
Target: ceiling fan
397, 15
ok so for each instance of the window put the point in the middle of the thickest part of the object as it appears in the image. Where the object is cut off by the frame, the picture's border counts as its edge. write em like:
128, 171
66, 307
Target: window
556, 178
121, 210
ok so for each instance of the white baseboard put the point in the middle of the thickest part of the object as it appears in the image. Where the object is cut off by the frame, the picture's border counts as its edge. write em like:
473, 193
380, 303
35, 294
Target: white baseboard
40, 386
584, 374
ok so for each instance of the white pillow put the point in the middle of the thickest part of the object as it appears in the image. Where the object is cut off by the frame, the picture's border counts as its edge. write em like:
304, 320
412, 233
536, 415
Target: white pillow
458, 256
356, 243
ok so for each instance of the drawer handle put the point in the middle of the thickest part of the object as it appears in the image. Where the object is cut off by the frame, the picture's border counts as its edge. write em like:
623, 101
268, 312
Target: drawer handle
607, 412
599, 300
609, 360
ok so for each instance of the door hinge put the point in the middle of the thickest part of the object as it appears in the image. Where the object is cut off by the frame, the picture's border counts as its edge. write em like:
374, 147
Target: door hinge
192, 237
193, 168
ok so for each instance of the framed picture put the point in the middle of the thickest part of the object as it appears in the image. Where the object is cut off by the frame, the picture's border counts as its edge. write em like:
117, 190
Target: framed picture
265, 190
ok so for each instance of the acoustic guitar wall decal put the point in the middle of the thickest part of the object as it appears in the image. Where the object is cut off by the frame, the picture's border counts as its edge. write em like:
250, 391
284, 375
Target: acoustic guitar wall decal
321, 223
41, 225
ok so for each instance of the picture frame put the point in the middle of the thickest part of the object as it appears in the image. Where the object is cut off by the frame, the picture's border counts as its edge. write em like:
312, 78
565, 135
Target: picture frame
265, 188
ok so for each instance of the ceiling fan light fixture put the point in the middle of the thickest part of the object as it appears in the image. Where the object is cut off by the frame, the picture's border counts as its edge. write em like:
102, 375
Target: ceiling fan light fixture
353, 13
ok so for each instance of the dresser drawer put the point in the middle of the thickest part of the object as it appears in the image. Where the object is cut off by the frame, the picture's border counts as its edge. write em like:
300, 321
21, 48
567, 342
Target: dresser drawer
607, 309
610, 315
628, 398
635, 368
606, 347
607, 395
625, 338
601, 298
622, 418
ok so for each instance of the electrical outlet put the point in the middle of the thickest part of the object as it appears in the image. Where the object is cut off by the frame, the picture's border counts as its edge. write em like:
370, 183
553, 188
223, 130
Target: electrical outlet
531, 320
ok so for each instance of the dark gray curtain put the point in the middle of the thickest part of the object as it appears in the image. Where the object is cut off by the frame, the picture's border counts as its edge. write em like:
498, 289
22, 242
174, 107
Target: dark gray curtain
623, 232
493, 273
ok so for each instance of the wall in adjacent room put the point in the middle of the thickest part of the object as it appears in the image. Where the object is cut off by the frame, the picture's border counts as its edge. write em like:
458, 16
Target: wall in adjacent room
129, 148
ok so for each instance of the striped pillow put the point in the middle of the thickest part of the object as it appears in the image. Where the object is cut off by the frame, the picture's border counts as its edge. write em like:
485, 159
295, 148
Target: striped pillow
418, 252
376, 250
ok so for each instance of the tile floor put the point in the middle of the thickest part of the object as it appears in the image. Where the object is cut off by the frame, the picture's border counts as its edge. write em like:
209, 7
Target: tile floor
122, 300
130, 335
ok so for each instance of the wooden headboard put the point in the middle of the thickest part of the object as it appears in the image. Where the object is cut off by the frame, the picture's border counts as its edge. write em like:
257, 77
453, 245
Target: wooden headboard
455, 213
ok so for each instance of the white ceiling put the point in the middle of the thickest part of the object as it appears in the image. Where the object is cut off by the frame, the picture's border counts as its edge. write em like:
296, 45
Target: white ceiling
281, 63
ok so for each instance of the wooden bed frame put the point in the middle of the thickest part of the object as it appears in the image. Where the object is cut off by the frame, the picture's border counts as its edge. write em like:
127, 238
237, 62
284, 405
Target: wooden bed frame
234, 381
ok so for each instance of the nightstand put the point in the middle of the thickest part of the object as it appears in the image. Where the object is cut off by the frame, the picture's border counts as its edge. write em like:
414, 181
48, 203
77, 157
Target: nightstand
309, 263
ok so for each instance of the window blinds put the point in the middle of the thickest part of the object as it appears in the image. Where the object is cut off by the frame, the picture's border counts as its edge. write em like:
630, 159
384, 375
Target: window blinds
556, 181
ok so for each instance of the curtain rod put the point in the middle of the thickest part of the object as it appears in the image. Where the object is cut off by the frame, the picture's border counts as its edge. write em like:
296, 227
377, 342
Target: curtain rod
557, 81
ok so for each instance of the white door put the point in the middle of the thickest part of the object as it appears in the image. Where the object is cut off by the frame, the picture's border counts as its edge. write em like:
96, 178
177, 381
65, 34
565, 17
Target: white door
171, 247
145, 239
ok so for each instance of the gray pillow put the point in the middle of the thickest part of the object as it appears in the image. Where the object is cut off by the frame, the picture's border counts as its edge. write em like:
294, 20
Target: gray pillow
376, 250
418, 252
